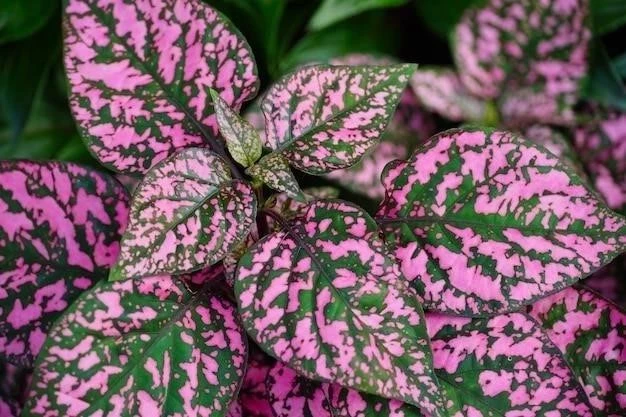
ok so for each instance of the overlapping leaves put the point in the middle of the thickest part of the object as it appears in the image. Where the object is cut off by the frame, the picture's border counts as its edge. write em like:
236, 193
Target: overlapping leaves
484, 221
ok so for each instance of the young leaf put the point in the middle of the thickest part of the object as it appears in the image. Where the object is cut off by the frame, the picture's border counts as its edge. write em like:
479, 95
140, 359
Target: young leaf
60, 226
324, 117
531, 55
242, 139
140, 348
186, 214
288, 208
502, 366
440, 90
273, 170
322, 296
484, 222
591, 333
140, 75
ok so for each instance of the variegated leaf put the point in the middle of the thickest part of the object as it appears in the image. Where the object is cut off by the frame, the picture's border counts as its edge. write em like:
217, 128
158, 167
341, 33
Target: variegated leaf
322, 296
324, 117
242, 139
484, 222
288, 208
530, 55
440, 90
502, 366
140, 75
142, 348
274, 171
557, 143
591, 333
186, 214
60, 226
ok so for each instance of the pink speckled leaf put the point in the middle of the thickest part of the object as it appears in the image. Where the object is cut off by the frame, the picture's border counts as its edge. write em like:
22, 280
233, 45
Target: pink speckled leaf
483, 222
502, 366
140, 75
440, 90
186, 214
325, 117
529, 55
602, 146
323, 296
557, 143
60, 226
591, 333
142, 348
274, 171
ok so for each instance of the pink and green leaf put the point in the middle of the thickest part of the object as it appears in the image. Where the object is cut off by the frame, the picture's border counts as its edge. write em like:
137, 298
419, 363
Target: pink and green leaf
484, 222
325, 117
143, 348
323, 296
60, 226
273, 170
557, 143
242, 139
140, 75
502, 366
591, 333
531, 56
186, 214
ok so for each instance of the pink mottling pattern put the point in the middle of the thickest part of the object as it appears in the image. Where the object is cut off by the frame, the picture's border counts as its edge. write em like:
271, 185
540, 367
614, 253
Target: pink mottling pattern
186, 214
324, 117
60, 226
323, 296
531, 56
502, 366
557, 143
143, 348
590, 331
140, 75
273, 170
484, 222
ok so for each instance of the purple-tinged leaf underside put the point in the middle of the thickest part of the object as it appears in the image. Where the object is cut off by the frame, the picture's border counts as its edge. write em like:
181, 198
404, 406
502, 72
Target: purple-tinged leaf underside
292, 395
530, 56
484, 222
323, 296
326, 117
14, 381
60, 226
591, 333
142, 348
242, 139
602, 146
253, 395
140, 75
186, 214
609, 281
273, 170
440, 90
502, 366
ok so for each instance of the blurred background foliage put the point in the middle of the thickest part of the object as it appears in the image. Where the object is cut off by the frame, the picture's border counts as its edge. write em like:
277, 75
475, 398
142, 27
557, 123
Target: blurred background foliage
35, 121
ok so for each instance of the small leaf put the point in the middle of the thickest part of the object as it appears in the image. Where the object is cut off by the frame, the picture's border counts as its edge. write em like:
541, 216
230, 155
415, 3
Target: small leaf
484, 222
324, 117
140, 75
531, 56
273, 170
186, 214
440, 90
332, 11
60, 226
502, 366
591, 333
322, 296
242, 140
140, 348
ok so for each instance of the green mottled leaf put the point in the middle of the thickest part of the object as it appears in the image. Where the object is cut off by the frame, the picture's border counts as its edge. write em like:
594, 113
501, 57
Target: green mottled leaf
273, 170
332, 11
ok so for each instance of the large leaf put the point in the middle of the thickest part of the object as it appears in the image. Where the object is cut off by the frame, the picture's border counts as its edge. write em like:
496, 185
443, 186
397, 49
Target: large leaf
608, 15
484, 222
324, 117
501, 367
140, 348
140, 75
532, 55
186, 214
60, 226
332, 11
591, 333
322, 296
19, 19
